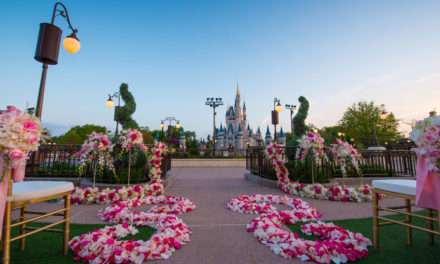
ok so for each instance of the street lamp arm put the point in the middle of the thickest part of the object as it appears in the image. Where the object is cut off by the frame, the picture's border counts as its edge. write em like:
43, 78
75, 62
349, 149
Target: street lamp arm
64, 13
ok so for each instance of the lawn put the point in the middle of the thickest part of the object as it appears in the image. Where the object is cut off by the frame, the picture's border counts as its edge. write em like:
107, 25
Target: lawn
47, 248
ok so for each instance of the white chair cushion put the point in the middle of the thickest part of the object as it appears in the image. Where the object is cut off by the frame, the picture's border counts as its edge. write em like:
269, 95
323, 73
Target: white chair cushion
398, 186
37, 189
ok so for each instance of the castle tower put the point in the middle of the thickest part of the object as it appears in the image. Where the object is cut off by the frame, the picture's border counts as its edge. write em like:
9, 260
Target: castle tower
237, 106
282, 137
244, 110
239, 146
268, 137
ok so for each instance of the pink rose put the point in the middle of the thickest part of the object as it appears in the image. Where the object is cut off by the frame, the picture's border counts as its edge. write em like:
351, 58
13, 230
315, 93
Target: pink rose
30, 126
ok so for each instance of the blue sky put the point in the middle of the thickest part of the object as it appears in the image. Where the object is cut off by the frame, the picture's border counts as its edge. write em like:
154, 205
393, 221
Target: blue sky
173, 54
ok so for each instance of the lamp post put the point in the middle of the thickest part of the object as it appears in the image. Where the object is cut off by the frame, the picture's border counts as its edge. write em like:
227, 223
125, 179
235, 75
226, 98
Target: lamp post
214, 103
277, 108
48, 47
292, 109
170, 120
109, 103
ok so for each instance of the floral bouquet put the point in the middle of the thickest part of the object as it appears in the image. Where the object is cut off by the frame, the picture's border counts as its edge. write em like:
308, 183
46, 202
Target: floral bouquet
131, 154
96, 148
130, 138
311, 143
19, 134
426, 135
345, 153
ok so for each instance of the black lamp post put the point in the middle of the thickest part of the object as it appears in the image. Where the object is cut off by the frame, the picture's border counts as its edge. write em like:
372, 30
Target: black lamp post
277, 108
214, 103
292, 109
48, 47
109, 103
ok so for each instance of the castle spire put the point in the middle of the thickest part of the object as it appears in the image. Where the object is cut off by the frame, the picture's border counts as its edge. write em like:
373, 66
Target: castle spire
238, 90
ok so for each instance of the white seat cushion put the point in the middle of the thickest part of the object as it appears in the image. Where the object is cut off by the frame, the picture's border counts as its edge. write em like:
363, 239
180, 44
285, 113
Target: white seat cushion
398, 186
37, 189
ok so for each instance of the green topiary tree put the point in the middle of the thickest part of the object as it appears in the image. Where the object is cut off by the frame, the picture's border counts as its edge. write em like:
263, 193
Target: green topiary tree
299, 124
123, 113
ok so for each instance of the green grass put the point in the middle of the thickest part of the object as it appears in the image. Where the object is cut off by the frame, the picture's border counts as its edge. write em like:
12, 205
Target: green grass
393, 248
47, 247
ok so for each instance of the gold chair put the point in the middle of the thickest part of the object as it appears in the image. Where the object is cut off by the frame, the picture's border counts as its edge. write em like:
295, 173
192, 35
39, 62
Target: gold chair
22, 194
406, 190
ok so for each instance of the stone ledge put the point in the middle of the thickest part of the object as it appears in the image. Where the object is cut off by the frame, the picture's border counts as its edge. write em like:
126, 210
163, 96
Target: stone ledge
208, 163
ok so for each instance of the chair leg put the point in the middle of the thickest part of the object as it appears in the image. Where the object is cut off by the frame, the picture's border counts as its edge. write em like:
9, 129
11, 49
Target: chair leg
66, 224
7, 233
431, 226
375, 205
22, 228
409, 234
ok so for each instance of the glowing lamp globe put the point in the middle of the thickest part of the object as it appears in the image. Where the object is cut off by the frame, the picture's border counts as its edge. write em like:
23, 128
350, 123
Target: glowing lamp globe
278, 108
71, 44
109, 103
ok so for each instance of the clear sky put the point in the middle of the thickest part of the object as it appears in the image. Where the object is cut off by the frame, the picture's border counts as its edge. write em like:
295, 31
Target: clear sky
173, 54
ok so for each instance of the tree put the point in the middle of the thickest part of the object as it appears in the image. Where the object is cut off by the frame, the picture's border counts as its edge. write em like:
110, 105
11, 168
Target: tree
330, 134
368, 123
77, 134
123, 113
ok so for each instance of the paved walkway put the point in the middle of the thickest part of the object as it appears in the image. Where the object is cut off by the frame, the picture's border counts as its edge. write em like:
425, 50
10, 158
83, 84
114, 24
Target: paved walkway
219, 235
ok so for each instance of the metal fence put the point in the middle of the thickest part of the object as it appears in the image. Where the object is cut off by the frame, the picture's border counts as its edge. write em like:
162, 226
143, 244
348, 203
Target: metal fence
58, 161
373, 163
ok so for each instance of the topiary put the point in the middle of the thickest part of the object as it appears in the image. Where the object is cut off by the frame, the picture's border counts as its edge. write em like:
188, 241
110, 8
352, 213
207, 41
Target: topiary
123, 113
299, 121
300, 117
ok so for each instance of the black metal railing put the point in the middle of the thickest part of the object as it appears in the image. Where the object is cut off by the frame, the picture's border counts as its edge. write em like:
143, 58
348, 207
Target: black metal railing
373, 163
58, 161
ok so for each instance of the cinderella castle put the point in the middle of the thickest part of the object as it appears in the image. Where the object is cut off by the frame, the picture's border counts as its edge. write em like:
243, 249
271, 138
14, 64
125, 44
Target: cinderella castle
237, 134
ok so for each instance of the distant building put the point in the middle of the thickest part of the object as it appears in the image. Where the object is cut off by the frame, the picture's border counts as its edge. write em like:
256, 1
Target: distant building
236, 135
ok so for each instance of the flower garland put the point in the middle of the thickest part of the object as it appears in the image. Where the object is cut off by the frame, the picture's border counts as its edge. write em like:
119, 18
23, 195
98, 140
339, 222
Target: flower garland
20, 134
426, 135
334, 192
311, 143
334, 242
103, 245
108, 195
344, 152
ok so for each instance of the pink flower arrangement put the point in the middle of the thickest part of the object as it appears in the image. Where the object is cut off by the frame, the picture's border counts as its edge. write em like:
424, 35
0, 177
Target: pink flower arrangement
334, 244
344, 153
130, 138
96, 148
104, 246
19, 134
89, 195
333, 192
426, 135
311, 143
